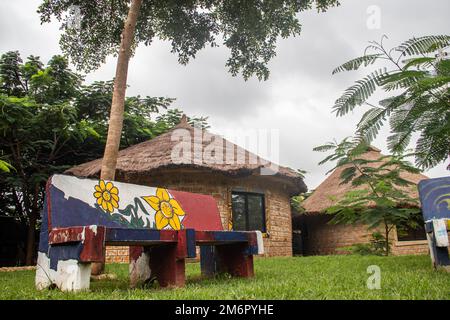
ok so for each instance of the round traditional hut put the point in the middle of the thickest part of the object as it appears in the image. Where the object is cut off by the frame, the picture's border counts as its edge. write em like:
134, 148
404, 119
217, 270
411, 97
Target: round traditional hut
320, 237
251, 193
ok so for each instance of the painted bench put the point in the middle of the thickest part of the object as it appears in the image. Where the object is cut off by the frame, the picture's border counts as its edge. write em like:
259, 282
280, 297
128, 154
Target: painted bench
435, 201
161, 228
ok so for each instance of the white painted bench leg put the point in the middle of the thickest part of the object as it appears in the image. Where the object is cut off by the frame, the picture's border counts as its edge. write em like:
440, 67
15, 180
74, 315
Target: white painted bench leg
70, 275
139, 267
431, 248
260, 241
43, 278
73, 275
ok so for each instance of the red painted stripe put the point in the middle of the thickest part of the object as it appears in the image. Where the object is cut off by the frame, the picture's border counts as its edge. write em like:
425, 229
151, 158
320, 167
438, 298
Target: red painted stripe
204, 236
63, 235
201, 211
94, 245
135, 252
170, 235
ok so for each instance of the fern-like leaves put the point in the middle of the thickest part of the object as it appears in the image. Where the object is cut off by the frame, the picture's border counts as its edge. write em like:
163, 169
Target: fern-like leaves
423, 45
354, 64
359, 92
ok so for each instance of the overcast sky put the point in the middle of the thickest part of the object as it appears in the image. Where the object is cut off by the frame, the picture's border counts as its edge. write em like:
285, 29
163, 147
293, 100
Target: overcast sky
300, 92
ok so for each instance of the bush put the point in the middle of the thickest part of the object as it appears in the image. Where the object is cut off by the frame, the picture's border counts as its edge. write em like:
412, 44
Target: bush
377, 246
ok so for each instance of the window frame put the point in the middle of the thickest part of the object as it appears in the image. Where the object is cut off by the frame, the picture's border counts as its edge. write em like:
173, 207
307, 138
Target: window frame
263, 202
421, 228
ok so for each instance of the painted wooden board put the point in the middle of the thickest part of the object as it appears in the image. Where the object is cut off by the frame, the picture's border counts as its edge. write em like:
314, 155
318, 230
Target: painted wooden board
72, 201
435, 201
435, 198
115, 204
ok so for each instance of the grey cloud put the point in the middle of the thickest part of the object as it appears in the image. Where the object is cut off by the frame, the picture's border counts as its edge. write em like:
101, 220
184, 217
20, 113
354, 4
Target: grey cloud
299, 94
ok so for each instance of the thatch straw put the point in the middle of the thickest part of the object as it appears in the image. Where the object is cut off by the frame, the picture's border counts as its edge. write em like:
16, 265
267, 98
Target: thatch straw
330, 191
156, 154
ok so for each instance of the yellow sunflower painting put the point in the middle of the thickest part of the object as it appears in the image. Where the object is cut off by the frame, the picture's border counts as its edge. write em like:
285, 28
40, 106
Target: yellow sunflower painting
107, 196
168, 210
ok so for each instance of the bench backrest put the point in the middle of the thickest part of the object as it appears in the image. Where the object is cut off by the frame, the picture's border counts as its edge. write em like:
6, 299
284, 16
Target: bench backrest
435, 198
72, 201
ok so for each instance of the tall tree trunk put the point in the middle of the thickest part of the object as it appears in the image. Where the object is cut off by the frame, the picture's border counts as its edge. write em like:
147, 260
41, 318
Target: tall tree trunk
118, 103
118, 100
386, 238
31, 240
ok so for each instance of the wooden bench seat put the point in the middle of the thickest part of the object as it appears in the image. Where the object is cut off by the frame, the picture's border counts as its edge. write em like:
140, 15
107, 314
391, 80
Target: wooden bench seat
161, 227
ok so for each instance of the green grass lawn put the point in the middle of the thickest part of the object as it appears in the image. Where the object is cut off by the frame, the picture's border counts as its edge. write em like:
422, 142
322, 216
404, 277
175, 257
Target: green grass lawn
319, 277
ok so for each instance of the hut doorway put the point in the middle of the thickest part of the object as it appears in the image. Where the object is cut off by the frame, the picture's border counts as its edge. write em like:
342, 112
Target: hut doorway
299, 235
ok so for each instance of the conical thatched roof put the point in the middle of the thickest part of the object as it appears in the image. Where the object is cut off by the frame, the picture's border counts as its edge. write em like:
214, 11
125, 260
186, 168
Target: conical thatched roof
156, 154
331, 191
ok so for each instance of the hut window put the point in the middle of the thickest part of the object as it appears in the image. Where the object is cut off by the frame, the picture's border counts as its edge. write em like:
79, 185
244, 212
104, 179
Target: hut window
248, 211
407, 233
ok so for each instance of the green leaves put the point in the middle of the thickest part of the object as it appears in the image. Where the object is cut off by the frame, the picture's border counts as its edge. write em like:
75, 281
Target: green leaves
401, 79
371, 122
343, 152
433, 144
10, 74
422, 103
132, 211
249, 29
5, 166
423, 45
418, 62
354, 64
57, 123
380, 193
358, 93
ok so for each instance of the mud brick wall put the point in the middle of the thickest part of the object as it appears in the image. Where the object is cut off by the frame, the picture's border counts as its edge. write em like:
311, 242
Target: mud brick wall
117, 254
323, 238
277, 240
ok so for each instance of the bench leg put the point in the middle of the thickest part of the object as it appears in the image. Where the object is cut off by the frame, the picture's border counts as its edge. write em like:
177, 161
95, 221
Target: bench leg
168, 269
229, 258
139, 266
43, 279
73, 276
431, 247
209, 261
439, 256
67, 275
235, 261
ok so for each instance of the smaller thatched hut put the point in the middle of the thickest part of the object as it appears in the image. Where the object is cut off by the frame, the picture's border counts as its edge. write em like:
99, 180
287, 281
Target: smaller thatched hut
251, 193
320, 237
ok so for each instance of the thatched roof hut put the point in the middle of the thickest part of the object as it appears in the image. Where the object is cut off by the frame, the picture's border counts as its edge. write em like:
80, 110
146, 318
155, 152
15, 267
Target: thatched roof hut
251, 193
331, 190
157, 154
320, 237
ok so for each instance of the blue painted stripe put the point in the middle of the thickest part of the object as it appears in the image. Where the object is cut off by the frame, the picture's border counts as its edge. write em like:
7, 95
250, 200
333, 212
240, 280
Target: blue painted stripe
190, 243
43, 236
64, 252
74, 212
434, 197
251, 250
208, 260
428, 226
125, 234
230, 236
